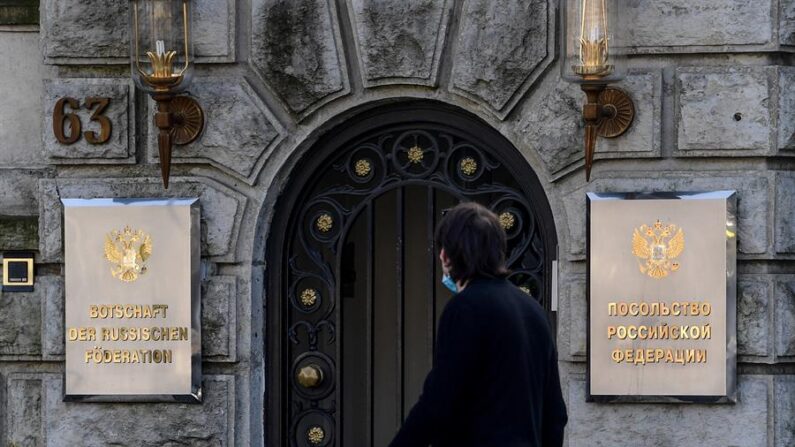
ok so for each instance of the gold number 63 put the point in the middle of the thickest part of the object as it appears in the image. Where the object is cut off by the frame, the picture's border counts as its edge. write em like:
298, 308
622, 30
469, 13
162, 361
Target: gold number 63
60, 117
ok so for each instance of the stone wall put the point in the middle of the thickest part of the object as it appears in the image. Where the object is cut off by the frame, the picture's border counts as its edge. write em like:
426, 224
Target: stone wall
711, 79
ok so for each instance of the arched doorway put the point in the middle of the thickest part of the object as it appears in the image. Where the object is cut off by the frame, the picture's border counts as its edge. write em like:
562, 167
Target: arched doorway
353, 283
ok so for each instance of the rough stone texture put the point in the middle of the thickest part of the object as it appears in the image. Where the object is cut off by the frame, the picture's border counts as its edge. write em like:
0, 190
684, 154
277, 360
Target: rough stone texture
600, 425
219, 328
400, 42
786, 106
214, 33
576, 303
18, 192
238, 128
753, 203
20, 323
643, 137
19, 233
120, 112
785, 213
295, 47
23, 421
656, 26
221, 209
552, 124
786, 31
20, 54
86, 31
210, 424
784, 411
502, 47
709, 101
785, 317
753, 317
53, 318
31, 323
49, 222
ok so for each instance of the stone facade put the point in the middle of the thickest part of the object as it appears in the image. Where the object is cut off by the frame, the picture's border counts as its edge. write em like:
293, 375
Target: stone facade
274, 75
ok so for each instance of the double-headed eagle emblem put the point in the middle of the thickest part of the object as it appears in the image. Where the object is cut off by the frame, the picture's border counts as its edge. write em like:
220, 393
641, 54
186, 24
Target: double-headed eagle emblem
127, 250
657, 248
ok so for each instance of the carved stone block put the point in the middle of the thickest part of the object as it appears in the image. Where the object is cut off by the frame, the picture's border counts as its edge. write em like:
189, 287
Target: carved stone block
38, 416
723, 111
97, 31
239, 130
502, 47
219, 328
400, 42
296, 48
629, 424
119, 112
705, 25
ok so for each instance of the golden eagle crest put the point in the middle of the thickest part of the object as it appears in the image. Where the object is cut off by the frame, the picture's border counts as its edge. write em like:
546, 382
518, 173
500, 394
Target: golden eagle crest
127, 250
657, 248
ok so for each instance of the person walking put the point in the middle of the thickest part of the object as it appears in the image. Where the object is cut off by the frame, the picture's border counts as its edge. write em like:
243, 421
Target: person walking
495, 380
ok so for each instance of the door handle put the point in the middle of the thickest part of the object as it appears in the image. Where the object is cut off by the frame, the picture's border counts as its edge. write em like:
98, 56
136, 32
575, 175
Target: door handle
310, 376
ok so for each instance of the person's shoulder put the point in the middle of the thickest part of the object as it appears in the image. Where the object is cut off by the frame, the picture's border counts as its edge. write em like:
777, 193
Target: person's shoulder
473, 292
461, 301
481, 293
501, 295
473, 299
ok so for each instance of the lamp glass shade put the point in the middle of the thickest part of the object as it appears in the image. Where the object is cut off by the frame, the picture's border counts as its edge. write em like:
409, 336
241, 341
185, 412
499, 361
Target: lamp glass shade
161, 50
593, 44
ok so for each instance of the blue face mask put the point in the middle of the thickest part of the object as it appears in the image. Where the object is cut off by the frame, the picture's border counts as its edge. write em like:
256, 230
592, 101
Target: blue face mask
449, 283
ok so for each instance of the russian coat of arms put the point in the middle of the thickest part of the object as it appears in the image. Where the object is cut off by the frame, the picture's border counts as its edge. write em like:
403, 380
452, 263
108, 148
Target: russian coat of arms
127, 251
657, 247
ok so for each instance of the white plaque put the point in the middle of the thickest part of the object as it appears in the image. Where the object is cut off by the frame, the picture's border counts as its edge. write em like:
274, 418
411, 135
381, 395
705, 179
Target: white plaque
132, 325
662, 297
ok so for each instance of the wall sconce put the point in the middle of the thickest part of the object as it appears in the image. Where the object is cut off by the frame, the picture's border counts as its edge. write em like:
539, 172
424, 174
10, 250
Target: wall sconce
162, 65
594, 58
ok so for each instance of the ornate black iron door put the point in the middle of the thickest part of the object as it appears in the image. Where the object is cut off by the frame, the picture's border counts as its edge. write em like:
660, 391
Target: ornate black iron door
355, 292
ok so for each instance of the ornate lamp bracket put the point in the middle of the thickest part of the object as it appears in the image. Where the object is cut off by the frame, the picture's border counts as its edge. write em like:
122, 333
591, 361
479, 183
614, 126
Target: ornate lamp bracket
180, 120
162, 66
608, 112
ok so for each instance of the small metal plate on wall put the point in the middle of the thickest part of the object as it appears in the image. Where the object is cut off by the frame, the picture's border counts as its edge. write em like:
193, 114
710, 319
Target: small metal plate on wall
671, 257
17, 271
132, 315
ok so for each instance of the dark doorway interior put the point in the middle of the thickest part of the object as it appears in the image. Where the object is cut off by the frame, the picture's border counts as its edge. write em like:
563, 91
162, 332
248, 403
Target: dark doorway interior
389, 318
354, 284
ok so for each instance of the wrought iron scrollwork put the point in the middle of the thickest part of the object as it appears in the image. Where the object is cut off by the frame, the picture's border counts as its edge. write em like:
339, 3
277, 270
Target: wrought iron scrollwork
377, 163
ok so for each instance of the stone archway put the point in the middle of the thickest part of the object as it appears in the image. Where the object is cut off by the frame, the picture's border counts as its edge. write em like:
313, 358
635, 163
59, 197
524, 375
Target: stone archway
350, 321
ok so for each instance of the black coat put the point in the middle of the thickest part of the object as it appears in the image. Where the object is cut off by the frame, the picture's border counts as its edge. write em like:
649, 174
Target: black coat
495, 380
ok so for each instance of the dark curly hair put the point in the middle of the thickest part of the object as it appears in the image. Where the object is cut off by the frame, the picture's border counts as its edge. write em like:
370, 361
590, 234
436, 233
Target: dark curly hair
475, 242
